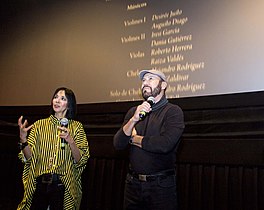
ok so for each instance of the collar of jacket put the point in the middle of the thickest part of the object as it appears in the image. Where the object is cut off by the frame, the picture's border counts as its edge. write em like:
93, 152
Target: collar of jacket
162, 102
54, 120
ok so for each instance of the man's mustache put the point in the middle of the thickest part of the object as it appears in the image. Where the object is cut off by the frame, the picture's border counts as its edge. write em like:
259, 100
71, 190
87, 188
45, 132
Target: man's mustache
145, 87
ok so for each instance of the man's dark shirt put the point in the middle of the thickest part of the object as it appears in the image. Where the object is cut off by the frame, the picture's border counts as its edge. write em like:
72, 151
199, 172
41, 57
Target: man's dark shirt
161, 131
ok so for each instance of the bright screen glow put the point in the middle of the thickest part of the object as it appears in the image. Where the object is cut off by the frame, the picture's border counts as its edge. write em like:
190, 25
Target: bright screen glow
97, 49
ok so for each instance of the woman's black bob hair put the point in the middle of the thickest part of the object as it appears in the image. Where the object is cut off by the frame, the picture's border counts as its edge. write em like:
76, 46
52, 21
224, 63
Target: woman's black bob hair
72, 107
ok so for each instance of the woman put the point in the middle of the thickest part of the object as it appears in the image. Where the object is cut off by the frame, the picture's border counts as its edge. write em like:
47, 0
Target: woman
52, 171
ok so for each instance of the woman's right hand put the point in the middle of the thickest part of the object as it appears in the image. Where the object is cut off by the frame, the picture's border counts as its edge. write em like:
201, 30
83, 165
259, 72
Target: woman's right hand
23, 129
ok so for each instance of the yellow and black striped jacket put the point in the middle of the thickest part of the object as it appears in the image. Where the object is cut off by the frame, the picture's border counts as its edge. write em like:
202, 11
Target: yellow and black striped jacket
49, 157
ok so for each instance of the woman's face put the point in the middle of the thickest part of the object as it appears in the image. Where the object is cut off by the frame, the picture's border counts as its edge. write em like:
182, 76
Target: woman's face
60, 104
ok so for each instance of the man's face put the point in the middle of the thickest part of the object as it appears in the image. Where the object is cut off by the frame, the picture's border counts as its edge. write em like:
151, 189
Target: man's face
151, 85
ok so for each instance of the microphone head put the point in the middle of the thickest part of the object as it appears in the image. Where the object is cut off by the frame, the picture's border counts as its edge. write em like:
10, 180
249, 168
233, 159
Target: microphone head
151, 100
64, 122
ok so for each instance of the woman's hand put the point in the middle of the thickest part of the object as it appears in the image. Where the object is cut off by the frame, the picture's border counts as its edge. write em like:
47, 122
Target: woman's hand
65, 134
23, 129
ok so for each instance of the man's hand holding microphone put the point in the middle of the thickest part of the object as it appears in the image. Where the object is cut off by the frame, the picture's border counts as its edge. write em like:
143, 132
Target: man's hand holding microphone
143, 109
141, 112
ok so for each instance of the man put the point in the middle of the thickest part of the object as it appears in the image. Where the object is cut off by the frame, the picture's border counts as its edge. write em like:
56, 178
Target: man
153, 139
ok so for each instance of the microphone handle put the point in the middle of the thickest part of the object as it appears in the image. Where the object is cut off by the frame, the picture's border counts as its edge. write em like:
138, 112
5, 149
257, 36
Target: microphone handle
64, 123
63, 143
142, 115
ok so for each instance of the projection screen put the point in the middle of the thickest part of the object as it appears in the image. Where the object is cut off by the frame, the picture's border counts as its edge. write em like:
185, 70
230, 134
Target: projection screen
98, 47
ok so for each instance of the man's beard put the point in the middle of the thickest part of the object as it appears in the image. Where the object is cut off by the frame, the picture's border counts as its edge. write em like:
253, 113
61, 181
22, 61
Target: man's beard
156, 91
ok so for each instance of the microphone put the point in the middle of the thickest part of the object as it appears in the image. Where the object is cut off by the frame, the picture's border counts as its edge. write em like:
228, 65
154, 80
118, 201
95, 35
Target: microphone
151, 101
64, 123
